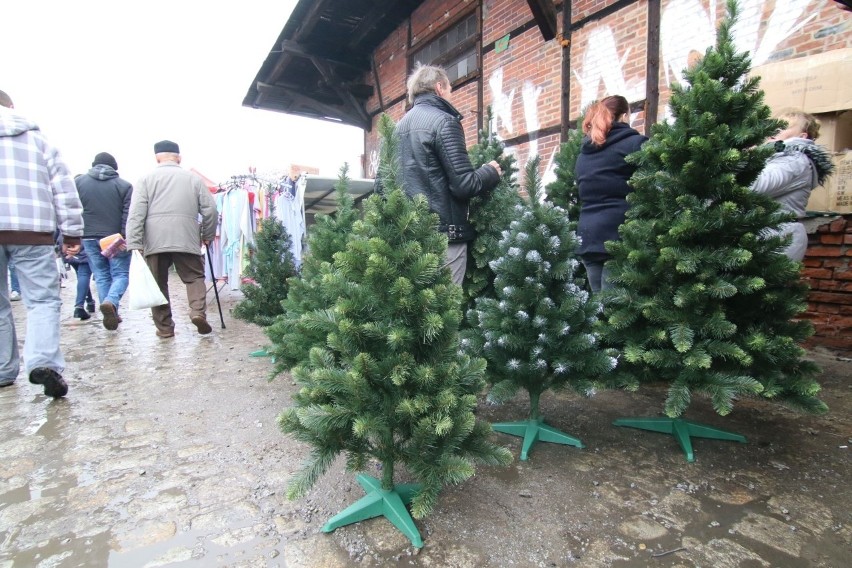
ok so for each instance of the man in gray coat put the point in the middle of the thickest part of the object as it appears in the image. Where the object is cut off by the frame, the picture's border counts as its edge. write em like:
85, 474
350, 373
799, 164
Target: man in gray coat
164, 224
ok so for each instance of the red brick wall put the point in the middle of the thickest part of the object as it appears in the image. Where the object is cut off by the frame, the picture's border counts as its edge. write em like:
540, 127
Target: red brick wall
433, 16
608, 57
829, 274
502, 16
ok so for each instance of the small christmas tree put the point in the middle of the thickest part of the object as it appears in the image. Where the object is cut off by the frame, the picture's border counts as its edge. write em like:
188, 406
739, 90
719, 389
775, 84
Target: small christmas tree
389, 383
704, 299
489, 215
293, 333
565, 192
270, 265
537, 334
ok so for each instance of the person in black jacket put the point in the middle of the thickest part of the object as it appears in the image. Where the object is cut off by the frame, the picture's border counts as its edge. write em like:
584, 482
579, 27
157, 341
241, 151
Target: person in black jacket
106, 201
602, 173
435, 162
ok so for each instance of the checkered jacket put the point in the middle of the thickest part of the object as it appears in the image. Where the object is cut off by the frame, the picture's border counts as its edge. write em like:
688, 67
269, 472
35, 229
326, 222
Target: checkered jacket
37, 192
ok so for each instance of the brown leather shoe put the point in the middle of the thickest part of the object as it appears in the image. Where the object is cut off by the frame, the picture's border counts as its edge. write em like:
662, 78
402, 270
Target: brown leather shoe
200, 322
165, 334
110, 316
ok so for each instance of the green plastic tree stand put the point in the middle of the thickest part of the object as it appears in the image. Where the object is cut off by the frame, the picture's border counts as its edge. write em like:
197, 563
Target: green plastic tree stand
380, 502
682, 430
262, 353
534, 430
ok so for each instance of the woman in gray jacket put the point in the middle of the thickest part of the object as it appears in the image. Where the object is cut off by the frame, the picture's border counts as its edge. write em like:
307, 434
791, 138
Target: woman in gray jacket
798, 166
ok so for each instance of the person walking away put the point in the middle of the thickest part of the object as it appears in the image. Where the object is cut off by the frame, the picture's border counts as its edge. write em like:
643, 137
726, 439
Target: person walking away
797, 167
435, 162
84, 302
37, 196
106, 202
602, 173
163, 223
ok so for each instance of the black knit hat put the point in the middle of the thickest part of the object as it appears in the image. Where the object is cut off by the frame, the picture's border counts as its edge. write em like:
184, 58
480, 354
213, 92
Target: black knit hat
106, 159
166, 146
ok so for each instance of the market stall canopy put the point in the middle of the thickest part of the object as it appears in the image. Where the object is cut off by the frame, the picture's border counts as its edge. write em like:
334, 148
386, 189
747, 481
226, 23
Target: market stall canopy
321, 197
318, 64
211, 185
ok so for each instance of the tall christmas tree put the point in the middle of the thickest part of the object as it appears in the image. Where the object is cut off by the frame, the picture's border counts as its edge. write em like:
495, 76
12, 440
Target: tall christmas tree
294, 332
704, 297
270, 265
389, 383
537, 333
490, 215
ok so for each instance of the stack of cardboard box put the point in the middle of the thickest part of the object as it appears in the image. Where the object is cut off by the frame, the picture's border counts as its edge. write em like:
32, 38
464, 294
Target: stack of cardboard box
819, 84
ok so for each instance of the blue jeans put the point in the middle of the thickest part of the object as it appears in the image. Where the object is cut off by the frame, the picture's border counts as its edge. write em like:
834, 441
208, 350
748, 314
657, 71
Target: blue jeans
13, 279
84, 279
36, 267
110, 273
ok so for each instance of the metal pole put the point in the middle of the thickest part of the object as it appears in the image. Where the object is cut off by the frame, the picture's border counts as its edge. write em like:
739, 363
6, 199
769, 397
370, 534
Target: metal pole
215, 286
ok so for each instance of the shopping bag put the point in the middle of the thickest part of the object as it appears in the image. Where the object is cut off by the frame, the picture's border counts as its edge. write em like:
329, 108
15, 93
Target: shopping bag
142, 288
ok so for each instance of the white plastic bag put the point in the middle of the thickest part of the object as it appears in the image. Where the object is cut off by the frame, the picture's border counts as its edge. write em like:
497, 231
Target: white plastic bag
142, 288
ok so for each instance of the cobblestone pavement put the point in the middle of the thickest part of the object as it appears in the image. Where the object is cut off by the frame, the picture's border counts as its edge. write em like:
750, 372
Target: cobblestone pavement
166, 452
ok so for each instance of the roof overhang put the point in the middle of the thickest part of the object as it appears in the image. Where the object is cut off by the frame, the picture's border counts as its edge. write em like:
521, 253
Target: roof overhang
318, 66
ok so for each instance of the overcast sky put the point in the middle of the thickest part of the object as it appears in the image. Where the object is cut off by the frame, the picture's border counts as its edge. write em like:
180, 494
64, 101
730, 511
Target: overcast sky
117, 76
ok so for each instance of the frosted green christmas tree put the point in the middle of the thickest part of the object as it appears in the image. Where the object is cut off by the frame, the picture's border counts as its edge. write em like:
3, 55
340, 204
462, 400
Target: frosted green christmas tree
389, 383
270, 265
489, 215
704, 298
537, 333
295, 331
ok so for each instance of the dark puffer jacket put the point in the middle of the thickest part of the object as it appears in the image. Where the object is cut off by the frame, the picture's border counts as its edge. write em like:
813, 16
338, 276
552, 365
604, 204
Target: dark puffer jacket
602, 175
435, 164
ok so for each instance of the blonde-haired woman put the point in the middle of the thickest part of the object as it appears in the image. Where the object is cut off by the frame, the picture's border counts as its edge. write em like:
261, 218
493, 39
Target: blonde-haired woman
602, 173
797, 167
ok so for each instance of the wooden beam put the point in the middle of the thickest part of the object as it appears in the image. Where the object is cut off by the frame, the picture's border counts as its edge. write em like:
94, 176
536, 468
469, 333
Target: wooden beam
294, 48
322, 110
368, 22
307, 26
334, 82
544, 12
652, 68
565, 40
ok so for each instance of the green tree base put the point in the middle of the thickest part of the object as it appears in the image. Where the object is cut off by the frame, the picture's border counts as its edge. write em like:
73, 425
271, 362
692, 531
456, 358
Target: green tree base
535, 430
380, 502
682, 430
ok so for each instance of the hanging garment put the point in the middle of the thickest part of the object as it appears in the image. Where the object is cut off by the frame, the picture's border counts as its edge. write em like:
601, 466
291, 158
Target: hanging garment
237, 234
290, 210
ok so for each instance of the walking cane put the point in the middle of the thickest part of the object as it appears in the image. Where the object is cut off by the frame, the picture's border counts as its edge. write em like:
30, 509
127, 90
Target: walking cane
215, 286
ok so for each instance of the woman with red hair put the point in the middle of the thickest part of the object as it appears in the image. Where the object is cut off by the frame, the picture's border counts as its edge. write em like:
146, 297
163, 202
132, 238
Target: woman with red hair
602, 173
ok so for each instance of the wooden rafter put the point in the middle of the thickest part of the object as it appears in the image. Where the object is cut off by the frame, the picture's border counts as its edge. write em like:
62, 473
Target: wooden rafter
321, 110
544, 12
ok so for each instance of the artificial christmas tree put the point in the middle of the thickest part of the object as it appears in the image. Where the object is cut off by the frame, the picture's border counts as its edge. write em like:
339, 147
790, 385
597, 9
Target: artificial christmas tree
564, 191
490, 215
270, 265
293, 333
537, 333
703, 297
389, 382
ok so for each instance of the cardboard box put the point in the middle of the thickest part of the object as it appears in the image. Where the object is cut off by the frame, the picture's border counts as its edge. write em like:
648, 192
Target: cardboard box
835, 130
816, 83
836, 194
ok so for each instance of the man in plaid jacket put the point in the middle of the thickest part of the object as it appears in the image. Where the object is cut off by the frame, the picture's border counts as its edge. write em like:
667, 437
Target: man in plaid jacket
37, 196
